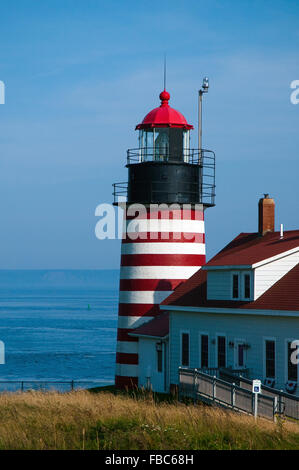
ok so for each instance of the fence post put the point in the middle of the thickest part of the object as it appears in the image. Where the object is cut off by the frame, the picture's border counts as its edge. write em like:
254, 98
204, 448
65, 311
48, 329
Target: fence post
72, 385
281, 410
179, 384
275, 408
22, 386
255, 400
214, 387
195, 385
233, 395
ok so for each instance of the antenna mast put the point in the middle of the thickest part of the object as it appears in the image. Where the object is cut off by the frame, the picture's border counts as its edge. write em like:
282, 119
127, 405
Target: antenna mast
164, 71
204, 89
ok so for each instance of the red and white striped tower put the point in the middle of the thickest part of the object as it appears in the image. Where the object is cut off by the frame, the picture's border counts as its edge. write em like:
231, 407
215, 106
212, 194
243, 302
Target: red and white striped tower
164, 242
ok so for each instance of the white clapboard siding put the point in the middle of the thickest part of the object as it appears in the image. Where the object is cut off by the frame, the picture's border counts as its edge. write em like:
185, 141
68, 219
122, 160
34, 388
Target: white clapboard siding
219, 285
268, 274
245, 328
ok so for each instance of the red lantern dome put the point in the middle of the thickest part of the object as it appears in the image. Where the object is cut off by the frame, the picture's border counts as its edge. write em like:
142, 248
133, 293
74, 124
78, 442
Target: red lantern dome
164, 116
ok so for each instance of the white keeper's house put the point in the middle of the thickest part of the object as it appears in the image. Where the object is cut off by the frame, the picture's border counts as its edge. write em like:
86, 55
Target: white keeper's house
239, 311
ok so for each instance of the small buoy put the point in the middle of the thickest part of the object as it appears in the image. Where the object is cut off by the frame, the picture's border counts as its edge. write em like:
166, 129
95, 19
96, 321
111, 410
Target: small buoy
88, 307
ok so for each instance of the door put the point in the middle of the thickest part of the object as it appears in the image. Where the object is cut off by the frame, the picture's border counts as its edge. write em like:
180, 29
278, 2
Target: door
240, 352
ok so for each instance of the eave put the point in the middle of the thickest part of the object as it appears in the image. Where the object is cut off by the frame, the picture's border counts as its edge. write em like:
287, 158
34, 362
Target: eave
232, 311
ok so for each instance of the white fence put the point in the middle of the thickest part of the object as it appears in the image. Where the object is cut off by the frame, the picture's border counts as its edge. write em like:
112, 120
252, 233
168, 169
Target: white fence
203, 387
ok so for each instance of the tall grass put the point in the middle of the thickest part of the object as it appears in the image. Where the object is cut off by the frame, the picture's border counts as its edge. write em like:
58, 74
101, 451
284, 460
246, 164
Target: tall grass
82, 420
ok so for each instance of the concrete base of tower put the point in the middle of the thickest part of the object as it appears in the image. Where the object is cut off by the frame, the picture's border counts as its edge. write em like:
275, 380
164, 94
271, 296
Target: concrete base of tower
126, 382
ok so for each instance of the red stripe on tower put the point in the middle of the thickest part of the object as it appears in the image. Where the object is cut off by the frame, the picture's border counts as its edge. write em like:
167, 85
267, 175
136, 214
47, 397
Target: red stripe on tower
149, 273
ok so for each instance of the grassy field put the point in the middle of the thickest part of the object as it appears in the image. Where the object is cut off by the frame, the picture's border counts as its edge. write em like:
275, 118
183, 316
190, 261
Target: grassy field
84, 420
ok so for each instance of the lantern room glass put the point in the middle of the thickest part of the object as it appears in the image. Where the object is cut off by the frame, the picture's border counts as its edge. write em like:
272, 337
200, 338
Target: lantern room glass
186, 146
164, 144
161, 144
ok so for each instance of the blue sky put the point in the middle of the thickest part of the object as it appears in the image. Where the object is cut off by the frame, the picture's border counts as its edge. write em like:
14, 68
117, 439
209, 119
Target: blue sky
80, 75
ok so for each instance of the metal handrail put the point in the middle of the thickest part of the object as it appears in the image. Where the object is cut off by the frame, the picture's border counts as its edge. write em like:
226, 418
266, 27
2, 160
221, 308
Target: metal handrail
45, 383
202, 386
190, 156
203, 158
207, 192
288, 405
273, 390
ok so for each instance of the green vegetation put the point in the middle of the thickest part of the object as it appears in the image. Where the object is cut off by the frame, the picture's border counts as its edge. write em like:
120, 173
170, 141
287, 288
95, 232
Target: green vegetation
113, 421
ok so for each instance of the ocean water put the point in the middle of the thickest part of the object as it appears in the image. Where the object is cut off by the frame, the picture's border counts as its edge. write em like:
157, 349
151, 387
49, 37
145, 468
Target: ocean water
58, 325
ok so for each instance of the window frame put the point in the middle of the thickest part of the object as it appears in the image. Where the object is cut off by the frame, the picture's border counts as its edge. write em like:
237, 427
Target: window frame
201, 334
238, 342
159, 358
220, 335
244, 286
182, 332
233, 274
272, 339
241, 285
287, 341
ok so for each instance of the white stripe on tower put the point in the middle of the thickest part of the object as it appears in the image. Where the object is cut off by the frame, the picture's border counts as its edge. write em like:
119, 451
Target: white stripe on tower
137, 226
157, 255
163, 248
157, 272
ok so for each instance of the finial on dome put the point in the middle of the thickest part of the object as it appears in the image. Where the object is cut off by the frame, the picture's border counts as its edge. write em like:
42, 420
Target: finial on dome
164, 97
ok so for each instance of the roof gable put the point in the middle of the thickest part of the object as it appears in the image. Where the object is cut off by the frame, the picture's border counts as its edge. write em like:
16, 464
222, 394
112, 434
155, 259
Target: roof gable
248, 249
283, 295
158, 327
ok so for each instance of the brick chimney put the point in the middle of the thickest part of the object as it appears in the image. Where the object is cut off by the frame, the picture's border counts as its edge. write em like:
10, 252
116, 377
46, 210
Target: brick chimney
266, 215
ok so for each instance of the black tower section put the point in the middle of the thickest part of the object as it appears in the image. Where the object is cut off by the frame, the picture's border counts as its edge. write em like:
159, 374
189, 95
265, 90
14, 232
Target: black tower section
169, 179
164, 182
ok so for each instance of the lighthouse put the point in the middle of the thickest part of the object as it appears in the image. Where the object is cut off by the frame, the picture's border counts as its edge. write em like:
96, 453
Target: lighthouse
174, 184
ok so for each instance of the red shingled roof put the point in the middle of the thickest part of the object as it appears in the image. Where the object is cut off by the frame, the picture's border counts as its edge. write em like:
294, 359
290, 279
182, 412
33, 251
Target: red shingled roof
193, 292
283, 295
250, 248
159, 327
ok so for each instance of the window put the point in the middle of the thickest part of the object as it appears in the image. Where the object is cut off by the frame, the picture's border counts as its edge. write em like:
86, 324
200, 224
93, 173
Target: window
270, 359
160, 360
292, 368
241, 285
185, 349
247, 286
175, 144
235, 286
240, 355
186, 145
161, 144
204, 351
221, 351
